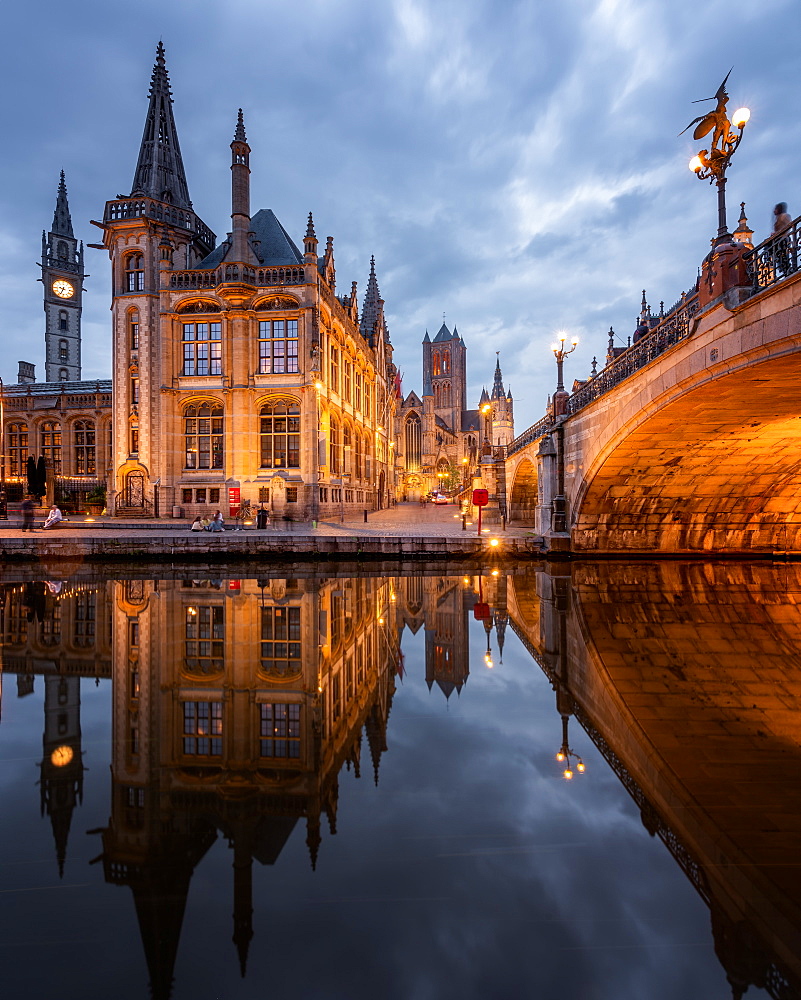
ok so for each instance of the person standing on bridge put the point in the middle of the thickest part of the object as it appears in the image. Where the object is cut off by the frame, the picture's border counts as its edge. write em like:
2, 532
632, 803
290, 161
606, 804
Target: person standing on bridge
784, 243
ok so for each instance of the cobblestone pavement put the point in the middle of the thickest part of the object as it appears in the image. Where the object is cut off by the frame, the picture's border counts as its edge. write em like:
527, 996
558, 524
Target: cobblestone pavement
405, 520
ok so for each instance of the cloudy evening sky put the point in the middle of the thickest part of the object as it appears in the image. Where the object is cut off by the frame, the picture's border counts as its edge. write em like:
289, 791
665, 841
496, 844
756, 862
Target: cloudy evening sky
515, 165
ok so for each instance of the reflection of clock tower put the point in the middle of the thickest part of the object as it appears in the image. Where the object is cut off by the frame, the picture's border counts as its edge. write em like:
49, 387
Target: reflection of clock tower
61, 778
62, 274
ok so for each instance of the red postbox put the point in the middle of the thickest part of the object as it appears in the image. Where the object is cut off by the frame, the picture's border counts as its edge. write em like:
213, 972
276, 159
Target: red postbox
480, 500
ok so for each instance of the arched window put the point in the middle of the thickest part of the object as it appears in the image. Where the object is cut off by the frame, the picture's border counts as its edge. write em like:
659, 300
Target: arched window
50, 444
18, 448
335, 449
347, 448
133, 440
133, 329
63, 351
446, 394
83, 435
63, 375
414, 440
63, 320
347, 371
280, 435
357, 390
62, 250
134, 272
203, 436
446, 363
333, 369
357, 456
436, 363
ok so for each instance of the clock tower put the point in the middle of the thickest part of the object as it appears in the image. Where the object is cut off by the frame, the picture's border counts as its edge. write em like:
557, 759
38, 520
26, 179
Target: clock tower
62, 275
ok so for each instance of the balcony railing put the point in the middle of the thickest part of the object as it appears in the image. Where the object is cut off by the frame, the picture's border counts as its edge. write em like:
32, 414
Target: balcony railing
259, 277
774, 259
135, 208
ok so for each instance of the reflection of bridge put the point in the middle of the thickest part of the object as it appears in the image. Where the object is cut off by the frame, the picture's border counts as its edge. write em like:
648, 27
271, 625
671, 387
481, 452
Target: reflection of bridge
689, 439
681, 676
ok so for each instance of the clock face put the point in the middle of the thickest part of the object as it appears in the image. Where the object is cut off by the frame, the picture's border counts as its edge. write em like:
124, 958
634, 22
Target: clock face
61, 756
63, 289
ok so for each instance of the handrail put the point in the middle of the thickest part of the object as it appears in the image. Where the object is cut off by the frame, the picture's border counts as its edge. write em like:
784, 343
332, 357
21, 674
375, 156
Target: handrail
775, 258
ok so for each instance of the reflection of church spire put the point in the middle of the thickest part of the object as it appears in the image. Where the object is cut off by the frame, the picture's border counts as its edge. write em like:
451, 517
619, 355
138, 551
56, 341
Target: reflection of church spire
376, 738
61, 777
243, 903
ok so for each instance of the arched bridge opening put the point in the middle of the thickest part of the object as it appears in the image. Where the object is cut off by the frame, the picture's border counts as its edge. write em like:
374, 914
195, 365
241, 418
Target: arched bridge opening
524, 494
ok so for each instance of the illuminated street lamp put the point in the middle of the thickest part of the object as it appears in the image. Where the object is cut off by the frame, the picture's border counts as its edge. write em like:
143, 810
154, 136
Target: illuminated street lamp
560, 354
711, 164
564, 754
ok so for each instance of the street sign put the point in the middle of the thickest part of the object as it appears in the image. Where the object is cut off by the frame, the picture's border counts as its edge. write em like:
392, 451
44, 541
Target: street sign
480, 498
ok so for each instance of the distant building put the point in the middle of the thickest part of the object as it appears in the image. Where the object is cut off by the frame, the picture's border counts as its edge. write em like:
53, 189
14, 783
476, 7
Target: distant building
440, 441
64, 420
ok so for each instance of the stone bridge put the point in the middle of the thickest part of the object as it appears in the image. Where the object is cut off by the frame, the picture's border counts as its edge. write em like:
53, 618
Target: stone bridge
690, 440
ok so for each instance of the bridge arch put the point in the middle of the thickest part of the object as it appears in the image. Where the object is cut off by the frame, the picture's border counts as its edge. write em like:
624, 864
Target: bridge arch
524, 495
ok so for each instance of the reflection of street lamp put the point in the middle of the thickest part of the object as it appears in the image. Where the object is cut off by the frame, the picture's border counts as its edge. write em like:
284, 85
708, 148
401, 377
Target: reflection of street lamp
560, 354
712, 163
565, 753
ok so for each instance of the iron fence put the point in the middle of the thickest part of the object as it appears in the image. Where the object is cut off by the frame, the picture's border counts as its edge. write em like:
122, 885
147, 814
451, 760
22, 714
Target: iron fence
774, 259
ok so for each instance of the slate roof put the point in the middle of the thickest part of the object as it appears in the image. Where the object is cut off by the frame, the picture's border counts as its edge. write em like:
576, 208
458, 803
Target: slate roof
470, 420
412, 399
444, 334
274, 248
441, 423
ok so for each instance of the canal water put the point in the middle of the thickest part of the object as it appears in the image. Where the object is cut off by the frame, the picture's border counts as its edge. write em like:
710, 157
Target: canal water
218, 784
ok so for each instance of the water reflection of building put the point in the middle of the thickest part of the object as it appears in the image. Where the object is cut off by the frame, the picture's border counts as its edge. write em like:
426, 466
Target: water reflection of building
51, 630
441, 605
236, 704
688, 681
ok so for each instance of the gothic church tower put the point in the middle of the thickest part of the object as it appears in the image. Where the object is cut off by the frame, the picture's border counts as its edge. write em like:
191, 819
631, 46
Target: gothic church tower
62, 276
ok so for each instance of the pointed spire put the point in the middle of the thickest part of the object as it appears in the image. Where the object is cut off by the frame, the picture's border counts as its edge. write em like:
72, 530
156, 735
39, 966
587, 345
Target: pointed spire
484, 396
239, 134
62, 222
160, 169
497, 385
744, 233
371, 308
426, 339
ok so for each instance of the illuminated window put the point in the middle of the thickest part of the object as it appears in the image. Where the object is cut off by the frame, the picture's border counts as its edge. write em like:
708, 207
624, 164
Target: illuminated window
202, 348
84, 620
347, 371
280, 640
333, 369
279, 731
335, 449
203, 728
280, 435
436, 363
83, 435
50, 444
17, 437
414, 443
63, 351
204, 639
203, 436
278, 346
357, 390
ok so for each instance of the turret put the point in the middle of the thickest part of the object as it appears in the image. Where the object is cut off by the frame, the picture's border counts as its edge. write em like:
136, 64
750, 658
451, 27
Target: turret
241, 249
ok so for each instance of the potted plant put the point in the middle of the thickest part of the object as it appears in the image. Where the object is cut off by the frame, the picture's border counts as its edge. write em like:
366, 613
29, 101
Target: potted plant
96, 500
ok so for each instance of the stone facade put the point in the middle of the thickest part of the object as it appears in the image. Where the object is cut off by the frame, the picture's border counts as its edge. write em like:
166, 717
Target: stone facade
239, 373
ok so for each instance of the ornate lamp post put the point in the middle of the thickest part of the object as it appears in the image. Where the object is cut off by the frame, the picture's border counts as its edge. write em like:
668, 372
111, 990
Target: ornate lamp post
711, 164
560, 354
564, 754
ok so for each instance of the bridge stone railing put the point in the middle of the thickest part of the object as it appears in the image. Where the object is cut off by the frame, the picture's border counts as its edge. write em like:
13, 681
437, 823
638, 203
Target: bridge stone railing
774, 259
533, 433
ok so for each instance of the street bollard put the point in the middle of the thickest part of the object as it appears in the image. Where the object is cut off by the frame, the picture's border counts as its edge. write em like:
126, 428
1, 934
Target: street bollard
464, 522
365, 517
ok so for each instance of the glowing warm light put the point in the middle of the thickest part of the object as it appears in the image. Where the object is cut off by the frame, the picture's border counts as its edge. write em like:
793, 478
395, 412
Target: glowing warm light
191, 611
580, 767
740, 117
466, 579
380, 621
574, 341
485, 531
392, 597
560, 756
318, 386
61, 756
495, 572
248, 522
486, 408
696, 164
88, 520
494, 543
567, 773
464, 461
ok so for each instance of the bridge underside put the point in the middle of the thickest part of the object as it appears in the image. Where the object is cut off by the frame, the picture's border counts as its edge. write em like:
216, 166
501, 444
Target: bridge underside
718, 469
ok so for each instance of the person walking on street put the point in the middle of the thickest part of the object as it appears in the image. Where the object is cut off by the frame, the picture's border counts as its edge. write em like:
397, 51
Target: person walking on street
27, 514
262, 517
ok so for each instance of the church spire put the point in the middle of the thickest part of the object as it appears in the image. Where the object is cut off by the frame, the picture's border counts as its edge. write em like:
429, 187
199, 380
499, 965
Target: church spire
62, 221
160, 169
497, 385
372, 310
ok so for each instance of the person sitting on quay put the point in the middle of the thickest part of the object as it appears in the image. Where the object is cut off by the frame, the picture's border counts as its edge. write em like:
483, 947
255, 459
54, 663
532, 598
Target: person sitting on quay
54, 517
196, 525
216, 523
